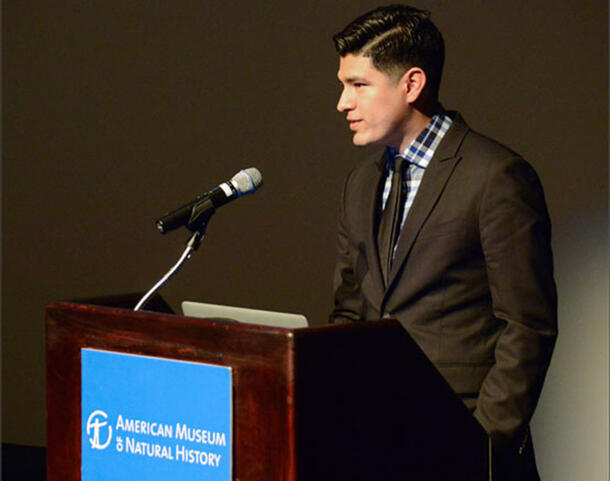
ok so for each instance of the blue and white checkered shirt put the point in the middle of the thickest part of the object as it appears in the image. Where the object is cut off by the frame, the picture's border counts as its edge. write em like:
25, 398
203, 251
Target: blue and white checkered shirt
418, 155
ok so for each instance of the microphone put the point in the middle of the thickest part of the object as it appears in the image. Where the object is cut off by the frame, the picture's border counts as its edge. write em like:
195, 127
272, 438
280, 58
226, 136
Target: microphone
194, 214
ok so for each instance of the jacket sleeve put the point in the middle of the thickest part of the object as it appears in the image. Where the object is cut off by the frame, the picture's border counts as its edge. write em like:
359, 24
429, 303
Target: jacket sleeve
349, 304
515, 237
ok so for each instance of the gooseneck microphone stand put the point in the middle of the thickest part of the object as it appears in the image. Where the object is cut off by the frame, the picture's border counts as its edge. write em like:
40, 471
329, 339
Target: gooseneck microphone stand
198, 228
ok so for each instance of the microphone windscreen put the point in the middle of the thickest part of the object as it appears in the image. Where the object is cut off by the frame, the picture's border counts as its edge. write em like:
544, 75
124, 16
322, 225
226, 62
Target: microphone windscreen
247, 181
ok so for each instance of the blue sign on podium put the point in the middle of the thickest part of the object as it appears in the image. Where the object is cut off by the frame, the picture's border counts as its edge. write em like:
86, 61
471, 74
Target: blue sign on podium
154, 419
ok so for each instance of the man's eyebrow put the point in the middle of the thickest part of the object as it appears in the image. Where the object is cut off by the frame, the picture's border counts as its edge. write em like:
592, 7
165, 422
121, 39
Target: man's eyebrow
352, 79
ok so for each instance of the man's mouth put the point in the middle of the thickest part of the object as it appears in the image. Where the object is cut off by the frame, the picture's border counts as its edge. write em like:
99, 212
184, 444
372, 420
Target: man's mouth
353, 124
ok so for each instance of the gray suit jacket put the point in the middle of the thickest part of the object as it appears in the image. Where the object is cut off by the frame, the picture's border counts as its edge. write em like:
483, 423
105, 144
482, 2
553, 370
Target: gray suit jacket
472, 280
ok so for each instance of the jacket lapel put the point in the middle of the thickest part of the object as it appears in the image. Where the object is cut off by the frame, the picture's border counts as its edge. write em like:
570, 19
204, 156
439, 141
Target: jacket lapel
433, 182
372, 212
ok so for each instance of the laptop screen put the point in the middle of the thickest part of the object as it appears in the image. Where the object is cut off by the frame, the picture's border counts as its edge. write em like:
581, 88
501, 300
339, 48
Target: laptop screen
242, 314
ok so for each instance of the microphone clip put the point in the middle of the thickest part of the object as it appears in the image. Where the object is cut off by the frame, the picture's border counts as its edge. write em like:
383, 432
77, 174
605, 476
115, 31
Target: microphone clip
201, 213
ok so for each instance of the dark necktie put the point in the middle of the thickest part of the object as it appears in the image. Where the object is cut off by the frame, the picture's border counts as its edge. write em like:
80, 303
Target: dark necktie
389, 225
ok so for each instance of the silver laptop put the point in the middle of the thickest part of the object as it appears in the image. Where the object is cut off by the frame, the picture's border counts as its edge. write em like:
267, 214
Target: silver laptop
242, 314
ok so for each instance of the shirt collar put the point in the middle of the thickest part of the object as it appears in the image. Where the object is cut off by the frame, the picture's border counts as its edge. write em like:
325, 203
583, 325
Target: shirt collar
422, 148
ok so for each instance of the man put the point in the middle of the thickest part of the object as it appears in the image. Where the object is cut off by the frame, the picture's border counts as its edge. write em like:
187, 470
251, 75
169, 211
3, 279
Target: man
447, 231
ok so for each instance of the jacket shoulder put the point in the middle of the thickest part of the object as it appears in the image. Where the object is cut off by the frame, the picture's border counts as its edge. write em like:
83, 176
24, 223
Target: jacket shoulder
486, 148
367, 172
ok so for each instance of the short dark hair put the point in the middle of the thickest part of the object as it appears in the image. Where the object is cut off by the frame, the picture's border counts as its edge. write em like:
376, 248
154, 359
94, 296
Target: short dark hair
396, 37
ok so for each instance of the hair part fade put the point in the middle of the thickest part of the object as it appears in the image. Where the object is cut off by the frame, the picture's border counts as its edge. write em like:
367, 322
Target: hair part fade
396, 38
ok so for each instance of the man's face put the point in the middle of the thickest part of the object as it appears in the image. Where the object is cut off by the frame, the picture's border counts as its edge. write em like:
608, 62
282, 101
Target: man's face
374, 104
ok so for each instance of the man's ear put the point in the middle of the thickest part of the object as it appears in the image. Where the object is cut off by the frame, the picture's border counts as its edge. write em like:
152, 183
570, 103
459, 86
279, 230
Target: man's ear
413, 82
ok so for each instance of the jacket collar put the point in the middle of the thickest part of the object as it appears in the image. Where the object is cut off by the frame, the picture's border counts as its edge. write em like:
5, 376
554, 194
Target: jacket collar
433, 183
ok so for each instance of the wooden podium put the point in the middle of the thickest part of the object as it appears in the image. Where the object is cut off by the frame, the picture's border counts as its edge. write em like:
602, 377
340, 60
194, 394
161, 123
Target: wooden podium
346, 402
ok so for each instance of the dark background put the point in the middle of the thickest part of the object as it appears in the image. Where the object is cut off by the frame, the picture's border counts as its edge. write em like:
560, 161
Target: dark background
115, 112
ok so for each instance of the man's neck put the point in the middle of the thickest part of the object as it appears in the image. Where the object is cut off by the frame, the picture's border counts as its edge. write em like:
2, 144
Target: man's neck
420, 117
417, 123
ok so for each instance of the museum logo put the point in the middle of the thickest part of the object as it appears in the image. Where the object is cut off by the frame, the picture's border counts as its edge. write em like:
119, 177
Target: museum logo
98, 429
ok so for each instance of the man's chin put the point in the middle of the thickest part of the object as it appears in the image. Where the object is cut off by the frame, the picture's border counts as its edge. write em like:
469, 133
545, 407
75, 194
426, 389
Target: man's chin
361, 141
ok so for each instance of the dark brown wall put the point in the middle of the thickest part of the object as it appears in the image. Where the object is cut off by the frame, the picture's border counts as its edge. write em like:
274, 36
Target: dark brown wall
115, 112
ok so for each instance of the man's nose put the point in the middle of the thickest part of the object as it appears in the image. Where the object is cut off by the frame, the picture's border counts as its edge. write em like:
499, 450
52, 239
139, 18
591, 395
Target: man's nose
346, 101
